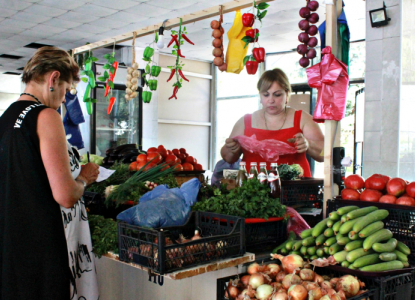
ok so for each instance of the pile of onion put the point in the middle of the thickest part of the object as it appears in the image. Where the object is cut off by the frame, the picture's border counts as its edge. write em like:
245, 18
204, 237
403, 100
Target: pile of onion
306, 49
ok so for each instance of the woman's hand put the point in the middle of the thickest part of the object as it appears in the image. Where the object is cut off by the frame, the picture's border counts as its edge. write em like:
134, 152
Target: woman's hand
301, 143
232, 145
89, 173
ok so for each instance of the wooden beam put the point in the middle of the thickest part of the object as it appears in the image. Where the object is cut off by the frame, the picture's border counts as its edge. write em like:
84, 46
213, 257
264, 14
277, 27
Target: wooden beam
171, 23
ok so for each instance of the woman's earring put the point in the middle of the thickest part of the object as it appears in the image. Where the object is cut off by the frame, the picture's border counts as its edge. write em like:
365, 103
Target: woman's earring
51, 89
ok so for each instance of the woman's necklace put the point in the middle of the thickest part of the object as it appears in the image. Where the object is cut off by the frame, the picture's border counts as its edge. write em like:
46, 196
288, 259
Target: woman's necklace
265, 119
30, 95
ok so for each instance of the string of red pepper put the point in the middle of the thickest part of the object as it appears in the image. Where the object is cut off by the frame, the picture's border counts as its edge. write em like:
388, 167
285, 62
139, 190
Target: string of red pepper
258, 53
110, 70
177, 68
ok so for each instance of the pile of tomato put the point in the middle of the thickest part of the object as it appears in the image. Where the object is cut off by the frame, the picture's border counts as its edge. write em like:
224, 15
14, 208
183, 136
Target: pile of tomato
379, 188
179, 159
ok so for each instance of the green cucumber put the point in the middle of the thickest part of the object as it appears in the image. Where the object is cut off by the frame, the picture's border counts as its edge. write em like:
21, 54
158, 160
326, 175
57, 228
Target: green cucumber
366, 260
336, 226
284, 251
319, 228
389, 246
360, 212
343, 241
329, 232
346, 209
335, 248
372, 228
306, 256
353, 245
295, 252
326, 250
306, 233
351, 267
320, 239
378, 236
374, 216
356, 253
311, 250
320, 252
330, 223
330, 241
403, 248
339, 236
400, 256
297, 245
310, 241
303, 250
406, 264
343, 219
388, 256
291, 236
345, 264
340, 256
353, 236
384, 266
347, 226
289, 245
313, 257
334, 216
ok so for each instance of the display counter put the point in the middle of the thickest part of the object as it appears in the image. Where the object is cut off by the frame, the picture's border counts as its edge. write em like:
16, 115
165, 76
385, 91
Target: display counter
118, 280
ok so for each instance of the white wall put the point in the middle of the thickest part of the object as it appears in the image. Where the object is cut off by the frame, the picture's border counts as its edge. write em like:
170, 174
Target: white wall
6, 99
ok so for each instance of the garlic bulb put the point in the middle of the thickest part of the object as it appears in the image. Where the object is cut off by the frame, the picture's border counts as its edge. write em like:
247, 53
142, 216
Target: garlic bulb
129, 77
127, 97
136, 73
128, 84
133, 87
134, 80
128, 91
133, 95
135, 66
130, 70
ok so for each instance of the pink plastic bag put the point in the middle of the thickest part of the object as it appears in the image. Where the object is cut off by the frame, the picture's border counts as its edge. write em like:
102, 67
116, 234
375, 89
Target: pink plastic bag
296, 222
331, 79
269, 149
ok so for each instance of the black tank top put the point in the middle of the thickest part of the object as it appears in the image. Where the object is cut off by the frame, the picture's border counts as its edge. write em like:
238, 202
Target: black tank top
33, 253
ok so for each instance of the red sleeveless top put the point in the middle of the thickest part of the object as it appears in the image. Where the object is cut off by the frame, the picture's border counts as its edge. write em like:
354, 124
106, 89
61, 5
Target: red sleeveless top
280, 135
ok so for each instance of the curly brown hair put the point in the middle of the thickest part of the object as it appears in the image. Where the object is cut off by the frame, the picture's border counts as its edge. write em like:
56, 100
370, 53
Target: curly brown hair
271, 76
48, 59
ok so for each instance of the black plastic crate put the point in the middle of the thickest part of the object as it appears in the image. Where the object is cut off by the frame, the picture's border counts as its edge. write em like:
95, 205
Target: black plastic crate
303, 192
223, 237
222, 283
262, 235
401, 219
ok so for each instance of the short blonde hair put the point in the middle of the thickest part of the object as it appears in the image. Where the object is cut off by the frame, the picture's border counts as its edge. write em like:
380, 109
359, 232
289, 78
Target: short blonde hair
271, 76
48, 59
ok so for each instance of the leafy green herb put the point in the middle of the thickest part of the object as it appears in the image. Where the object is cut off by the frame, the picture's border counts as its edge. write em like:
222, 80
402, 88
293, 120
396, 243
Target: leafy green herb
288, 172
104, 235
120, 176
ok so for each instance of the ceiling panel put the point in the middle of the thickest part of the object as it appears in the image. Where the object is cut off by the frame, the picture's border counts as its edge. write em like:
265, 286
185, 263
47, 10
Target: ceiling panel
78, 17
148, 10
44, 10
92, 28
110, 23
14, 5
17, 24
56, 22
95, 10
63, 4
124, 16
120, 4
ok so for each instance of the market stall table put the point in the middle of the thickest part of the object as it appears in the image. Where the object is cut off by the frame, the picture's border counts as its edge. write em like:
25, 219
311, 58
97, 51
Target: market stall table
118, 280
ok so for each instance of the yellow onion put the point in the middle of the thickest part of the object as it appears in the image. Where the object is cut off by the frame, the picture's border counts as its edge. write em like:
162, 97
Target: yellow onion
315, 294
263, 291
318, 279
290, 263
297, 292
256, 280
280, 276
289, 280
349, 284
307, 274
279, 296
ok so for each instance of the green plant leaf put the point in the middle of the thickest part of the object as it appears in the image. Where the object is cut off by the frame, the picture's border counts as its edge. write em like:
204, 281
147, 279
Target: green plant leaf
93, 100
106, 66
184, 28
106, 75
112, 69
107, 56
111, 60
246, 58
173, 32
148, 69
257, 35
84, 79
146, 59
102, 78
157, 37
262, 5
82, 73
175, 46
111, 84
181, 42
90, 73
94, 59
262, 14
87, 99
174, 52
247, 39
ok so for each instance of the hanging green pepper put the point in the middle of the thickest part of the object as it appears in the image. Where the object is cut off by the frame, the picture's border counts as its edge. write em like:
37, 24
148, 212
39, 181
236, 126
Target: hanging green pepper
155, 71
152, 84
148, 52
147, 96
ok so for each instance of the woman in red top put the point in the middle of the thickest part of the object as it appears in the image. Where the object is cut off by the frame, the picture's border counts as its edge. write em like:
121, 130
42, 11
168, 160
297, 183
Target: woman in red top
277, 121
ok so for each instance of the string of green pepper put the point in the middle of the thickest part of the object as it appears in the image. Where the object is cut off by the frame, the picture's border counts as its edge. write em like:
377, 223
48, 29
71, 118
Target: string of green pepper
90, 79
177, 68
153, 71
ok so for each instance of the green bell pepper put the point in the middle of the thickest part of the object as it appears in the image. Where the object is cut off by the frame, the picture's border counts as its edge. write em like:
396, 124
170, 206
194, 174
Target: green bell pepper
148, 52
152, 84
155, 71
147, 96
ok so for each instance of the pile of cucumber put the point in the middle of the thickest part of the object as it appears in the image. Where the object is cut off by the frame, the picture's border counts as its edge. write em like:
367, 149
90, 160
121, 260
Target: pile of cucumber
355, 237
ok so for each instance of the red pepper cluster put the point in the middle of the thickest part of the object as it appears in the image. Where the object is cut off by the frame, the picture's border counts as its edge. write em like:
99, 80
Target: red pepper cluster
306, 49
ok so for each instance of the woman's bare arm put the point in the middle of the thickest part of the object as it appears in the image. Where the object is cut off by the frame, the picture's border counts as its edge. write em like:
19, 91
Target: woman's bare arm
313, 136
232, 150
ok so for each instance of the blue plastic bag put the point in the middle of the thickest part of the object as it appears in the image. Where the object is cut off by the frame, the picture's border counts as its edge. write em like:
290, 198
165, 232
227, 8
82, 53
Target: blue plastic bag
163, 207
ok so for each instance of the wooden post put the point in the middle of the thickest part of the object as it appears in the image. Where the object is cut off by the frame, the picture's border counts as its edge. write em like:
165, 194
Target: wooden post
330, 126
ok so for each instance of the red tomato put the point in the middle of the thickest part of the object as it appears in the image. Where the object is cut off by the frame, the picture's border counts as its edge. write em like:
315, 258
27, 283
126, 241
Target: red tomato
188, 167
171, 159
133, 166
350, 194
405, 200
198, 167
182, 157
176, 152
178, 168
169, 152
370, 195
387, 199
155, 158
396, 186
375, 182
354, 182
152, 150
140, 165
149, 166
163, 152
410, 189
142, 158
190, 160
165, 168
161, 147
182, 150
